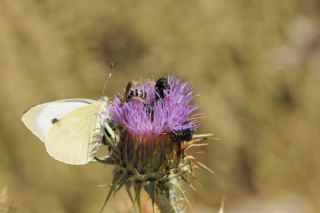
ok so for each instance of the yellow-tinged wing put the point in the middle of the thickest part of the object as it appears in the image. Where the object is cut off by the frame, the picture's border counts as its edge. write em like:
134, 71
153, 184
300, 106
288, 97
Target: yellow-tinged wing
72, 138
39, 119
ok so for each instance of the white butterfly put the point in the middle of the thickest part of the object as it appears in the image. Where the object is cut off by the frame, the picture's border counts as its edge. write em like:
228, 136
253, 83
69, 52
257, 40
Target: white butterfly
71, 129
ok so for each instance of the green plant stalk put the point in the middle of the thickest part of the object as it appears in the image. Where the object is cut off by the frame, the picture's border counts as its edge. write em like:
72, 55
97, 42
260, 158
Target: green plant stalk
167, 198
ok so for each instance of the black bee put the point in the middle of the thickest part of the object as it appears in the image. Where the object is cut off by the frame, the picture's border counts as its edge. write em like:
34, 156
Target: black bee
131, 93
150, 110
182, 135
161, 86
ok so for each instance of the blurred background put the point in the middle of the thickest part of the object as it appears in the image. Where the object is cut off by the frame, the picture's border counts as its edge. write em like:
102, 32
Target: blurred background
255, 64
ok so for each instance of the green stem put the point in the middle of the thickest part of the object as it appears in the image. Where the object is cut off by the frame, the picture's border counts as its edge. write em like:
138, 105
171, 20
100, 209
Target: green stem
170, 202
173, 205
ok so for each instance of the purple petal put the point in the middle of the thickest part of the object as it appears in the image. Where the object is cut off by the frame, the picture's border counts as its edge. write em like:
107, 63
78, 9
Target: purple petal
170, 113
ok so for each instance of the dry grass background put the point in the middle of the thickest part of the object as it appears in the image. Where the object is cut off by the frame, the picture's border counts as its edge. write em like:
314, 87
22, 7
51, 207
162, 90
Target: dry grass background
256, 65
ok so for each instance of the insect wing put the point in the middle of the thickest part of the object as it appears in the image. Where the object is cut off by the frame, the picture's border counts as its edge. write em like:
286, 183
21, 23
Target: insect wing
72, 139
39, 119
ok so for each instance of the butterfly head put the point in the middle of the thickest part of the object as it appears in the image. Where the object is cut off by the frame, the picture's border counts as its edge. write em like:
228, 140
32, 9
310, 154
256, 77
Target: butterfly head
103, 100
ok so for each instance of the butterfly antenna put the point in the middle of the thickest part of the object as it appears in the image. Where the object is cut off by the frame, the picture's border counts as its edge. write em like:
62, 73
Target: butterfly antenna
107, 79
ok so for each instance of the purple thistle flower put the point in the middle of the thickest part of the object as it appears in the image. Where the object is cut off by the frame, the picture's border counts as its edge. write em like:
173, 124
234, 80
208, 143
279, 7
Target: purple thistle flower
154, 123
170, 114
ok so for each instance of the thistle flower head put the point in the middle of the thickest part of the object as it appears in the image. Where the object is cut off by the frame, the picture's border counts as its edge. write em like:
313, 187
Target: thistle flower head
156, 124
156, 115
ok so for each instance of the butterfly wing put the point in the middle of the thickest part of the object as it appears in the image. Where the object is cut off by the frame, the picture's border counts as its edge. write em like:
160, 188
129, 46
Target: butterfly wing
72, 139
39, 119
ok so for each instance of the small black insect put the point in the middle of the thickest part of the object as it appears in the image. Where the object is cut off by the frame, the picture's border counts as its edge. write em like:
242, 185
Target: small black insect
54, 120
150, 110
161, 86
182, 135
136, 93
